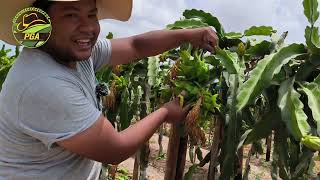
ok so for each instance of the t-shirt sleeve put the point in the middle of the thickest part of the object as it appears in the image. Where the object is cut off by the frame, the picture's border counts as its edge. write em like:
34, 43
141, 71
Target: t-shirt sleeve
53, 109
101, 53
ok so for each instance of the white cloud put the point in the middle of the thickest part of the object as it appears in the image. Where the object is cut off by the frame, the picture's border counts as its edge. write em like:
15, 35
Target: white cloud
146, 16
235, 15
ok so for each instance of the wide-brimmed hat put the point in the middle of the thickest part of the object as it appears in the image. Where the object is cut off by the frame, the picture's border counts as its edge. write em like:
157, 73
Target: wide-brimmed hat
107, 9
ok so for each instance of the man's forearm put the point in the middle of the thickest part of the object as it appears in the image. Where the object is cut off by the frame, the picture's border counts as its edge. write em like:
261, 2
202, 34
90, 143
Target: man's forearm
156, 42
126, 50
135, 136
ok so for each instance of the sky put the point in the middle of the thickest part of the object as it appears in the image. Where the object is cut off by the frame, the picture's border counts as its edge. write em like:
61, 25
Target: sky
234, 15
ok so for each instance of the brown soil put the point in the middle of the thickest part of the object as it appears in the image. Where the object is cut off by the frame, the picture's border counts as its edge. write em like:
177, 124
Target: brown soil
156, 169
259, 168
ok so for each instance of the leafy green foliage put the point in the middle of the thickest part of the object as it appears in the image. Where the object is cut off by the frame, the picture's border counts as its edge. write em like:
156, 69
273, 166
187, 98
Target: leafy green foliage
110, 35
191, 171
205, 18
312, 142
233, 131
194, 74
125, 118
312, 39
228, 60
187, 24
260, 49
312, 90
292, 110
153, 70
6, 62
259, 31
311, 10
262, 75
254, 88
233, 35
264, 127
315, 37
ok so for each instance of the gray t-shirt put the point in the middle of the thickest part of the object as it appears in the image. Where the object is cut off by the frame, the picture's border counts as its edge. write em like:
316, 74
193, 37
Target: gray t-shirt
42, 102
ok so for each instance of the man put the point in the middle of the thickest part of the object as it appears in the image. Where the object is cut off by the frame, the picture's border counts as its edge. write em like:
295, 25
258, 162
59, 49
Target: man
50, 127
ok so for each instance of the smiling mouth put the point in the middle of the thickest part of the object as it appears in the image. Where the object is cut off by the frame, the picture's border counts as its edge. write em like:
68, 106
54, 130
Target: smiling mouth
84, 44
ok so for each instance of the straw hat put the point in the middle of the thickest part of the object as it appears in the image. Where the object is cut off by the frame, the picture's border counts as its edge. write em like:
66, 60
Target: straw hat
107, 9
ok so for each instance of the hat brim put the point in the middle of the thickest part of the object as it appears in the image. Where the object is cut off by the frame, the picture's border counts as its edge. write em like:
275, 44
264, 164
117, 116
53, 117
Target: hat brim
114, 9
107, 9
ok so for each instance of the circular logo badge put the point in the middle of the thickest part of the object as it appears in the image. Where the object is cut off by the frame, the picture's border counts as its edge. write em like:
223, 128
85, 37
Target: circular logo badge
31, 27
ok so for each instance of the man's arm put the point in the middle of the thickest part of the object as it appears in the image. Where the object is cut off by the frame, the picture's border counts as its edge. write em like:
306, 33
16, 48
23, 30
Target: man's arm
101, 142
127, 50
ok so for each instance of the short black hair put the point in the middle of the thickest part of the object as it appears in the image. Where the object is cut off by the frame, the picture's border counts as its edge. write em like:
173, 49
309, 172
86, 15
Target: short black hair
43, 4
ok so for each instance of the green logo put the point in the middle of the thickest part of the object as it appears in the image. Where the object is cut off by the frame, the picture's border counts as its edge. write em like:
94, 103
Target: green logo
31, 27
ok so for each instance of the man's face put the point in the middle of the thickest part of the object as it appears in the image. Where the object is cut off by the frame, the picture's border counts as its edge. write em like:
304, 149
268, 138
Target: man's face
75, 29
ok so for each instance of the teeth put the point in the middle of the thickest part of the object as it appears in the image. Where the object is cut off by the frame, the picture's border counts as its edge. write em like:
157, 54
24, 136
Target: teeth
83, 41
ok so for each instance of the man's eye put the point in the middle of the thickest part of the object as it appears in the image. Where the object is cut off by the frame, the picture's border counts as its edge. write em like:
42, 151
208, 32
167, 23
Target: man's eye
71, 15
93, 16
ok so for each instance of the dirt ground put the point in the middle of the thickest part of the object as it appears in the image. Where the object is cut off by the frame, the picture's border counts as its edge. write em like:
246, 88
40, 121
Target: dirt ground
259, 167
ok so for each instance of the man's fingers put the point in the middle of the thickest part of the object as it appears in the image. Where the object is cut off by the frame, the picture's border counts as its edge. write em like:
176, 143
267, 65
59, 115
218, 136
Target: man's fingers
211, 42
176, 100
213, 38
187, 108
184, 93
208, 47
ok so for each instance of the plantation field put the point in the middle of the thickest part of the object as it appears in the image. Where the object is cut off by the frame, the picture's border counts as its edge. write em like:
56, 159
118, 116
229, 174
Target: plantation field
156, 170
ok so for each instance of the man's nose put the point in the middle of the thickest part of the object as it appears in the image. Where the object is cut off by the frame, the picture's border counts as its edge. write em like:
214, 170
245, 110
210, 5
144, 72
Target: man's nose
86, 25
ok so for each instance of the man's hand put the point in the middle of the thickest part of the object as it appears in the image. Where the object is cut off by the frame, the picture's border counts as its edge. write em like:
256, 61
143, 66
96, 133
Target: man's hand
204, 38
176, 114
